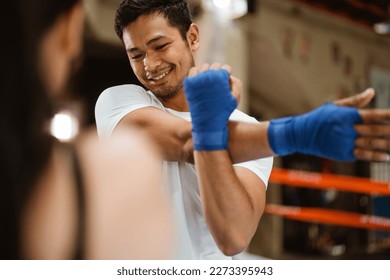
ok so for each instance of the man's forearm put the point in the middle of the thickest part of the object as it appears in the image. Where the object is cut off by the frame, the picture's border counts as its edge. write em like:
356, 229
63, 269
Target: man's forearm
248, 141
232, 202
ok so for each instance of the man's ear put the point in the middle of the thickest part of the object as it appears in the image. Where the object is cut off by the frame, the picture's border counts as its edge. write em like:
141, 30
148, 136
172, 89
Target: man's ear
73, 30
193, 37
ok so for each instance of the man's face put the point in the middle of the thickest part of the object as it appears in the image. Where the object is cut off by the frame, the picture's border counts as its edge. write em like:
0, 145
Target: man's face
158, 55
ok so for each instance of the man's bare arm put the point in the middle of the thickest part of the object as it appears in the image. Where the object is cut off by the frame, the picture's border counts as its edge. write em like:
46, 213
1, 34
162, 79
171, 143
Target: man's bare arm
248, 141
171, 133
233, 200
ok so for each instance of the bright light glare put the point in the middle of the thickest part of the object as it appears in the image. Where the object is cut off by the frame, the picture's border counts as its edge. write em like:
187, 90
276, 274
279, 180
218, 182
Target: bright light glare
227, 9
382, 28
64, 126
222, 4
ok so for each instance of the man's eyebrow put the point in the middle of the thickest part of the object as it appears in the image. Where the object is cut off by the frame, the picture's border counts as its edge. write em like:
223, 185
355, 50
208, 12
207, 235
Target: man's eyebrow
154, 40
150, 42
130, 50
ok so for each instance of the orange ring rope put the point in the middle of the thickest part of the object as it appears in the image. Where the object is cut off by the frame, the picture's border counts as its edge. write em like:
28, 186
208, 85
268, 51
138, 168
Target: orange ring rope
329, 181
334, 217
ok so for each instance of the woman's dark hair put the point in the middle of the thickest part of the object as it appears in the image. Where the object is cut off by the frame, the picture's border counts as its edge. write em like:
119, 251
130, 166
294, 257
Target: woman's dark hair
175, 11
25, 109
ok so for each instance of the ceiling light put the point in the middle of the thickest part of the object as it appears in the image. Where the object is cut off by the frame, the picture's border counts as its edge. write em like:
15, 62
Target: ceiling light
383, 27
222, 4
227, 9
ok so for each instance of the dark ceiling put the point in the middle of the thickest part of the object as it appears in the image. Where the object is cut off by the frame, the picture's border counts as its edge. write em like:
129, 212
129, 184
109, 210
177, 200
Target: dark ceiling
362, 12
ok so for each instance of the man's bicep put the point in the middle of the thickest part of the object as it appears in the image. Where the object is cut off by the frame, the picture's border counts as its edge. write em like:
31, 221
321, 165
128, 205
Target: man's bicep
253, 176
171, 133
254, 185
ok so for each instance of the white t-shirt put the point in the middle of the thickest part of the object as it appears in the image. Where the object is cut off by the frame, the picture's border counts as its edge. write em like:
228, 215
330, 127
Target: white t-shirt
195, 240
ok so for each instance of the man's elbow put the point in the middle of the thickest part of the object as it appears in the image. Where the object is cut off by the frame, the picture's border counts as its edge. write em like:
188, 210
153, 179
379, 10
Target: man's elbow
231, 246
232, 250
232, 239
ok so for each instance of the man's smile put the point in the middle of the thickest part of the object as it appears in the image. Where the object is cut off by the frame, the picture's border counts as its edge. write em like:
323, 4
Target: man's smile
155, 77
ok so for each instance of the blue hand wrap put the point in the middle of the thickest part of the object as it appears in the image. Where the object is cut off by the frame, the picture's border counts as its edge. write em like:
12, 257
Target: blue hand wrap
211, 104
326, 132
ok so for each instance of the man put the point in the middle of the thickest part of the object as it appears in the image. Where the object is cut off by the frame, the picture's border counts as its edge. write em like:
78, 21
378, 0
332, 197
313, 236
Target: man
218, 205
218, 219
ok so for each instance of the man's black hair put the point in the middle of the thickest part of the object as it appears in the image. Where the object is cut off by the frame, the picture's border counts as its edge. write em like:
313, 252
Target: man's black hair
175, 11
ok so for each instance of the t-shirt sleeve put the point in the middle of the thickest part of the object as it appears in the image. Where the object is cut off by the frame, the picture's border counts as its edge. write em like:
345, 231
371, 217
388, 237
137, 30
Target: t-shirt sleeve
116, 102
261, 167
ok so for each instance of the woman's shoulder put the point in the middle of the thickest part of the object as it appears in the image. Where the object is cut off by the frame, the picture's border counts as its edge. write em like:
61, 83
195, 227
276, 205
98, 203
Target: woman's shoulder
124, 177
126, 144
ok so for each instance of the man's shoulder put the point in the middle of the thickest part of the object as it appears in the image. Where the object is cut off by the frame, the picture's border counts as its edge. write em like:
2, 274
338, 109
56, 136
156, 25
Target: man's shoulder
123, 94
125, 88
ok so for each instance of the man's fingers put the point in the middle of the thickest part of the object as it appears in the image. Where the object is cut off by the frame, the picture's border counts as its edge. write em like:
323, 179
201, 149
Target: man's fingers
375, 115
373, 130
359, 100
236, 87
227, 68
371, 143
193, 71
216, 66
363, 154
204, 67
235, 84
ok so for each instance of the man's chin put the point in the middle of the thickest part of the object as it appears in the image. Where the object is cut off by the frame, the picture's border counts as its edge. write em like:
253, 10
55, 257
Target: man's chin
166, 94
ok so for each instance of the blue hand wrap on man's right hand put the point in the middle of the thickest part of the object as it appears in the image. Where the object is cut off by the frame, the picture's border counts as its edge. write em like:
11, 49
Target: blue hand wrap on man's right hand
211, 104
326, 132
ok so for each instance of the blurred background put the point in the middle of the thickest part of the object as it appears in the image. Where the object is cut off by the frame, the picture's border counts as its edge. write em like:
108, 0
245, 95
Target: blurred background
292, 56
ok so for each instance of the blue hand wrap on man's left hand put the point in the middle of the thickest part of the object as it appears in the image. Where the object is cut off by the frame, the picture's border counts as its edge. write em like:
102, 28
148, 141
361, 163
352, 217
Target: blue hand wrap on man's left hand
326, 132
211, 104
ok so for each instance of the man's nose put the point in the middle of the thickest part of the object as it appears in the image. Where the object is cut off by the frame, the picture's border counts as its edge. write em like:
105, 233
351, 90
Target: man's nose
151, 62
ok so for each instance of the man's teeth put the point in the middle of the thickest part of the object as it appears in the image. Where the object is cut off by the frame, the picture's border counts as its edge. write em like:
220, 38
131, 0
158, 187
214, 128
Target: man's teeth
161, 76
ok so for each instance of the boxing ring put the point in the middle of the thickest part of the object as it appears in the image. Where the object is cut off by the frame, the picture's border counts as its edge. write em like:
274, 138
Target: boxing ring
324, 215
327, 216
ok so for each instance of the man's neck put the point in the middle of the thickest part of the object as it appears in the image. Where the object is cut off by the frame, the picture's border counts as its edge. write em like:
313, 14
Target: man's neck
177, 103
